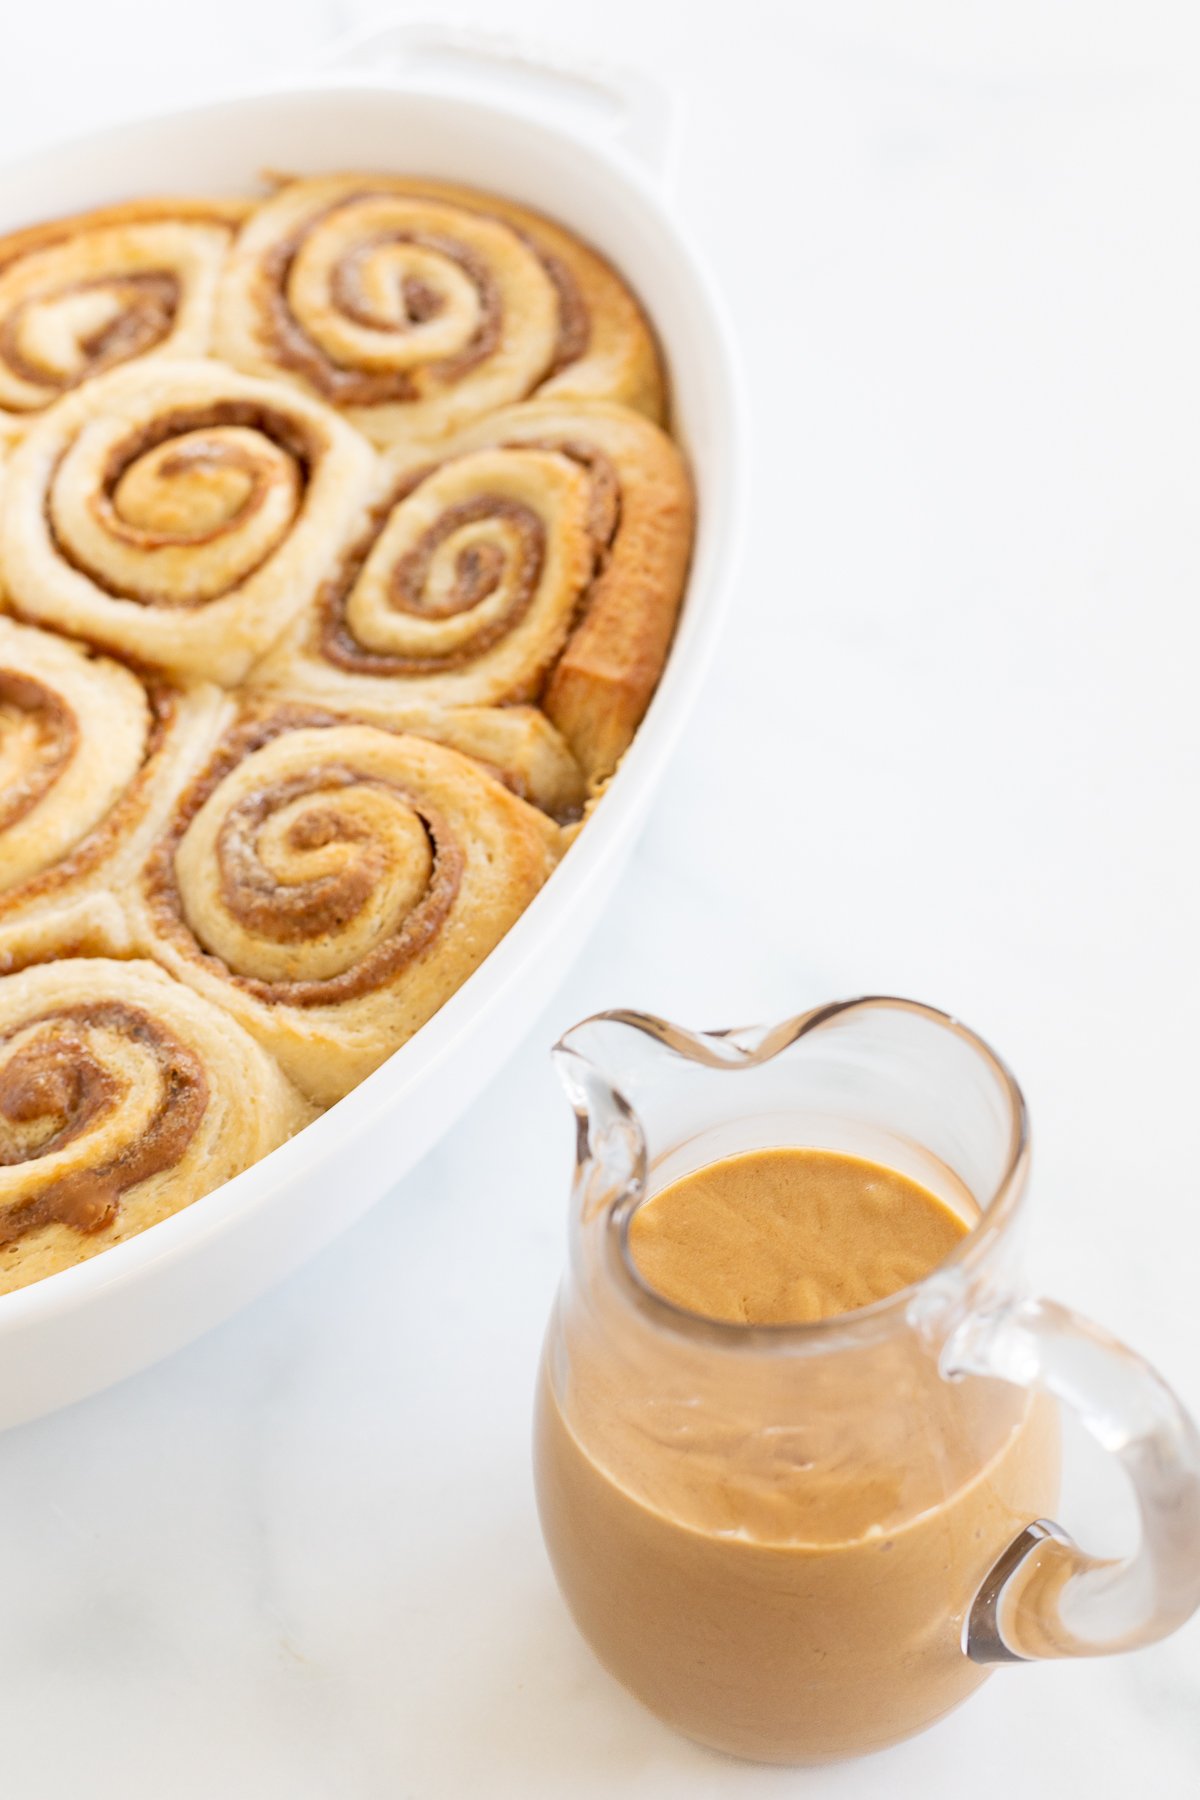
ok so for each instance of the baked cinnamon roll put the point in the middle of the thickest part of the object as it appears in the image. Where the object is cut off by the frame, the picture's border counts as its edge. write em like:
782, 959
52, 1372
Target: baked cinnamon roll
178, 514
517, 744
124, 1096
90, 758
80, 295
539, 557
331, 884
417, 306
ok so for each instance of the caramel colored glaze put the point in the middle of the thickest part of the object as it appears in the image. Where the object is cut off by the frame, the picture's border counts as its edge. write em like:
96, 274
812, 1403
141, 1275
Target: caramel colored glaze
53, 1088
55, 731
777, 1556
787, 1237
294, 913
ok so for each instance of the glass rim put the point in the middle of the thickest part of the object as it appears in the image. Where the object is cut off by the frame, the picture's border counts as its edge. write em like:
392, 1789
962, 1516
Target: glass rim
861, 1324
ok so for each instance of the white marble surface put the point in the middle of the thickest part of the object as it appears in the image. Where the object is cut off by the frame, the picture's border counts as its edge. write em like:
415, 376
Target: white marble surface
951, 749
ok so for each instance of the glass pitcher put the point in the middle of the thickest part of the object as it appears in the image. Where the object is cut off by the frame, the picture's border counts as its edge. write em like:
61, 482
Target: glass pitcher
801, 1542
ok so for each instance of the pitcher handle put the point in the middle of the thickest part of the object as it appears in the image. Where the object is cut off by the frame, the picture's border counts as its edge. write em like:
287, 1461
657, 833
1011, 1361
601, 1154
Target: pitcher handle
1045, 1597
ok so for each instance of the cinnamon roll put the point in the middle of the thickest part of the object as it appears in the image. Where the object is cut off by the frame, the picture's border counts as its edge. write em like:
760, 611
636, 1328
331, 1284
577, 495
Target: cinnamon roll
331, 884
417, 306
540, 556
90, 758
179, 514
80, 295
124, 1096
518, 744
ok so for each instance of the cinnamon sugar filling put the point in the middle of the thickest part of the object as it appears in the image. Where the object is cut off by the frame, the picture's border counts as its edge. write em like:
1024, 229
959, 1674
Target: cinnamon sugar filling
290, 435
346, 386
479, 573
150, 303
54, 1080
55, 736
286, 912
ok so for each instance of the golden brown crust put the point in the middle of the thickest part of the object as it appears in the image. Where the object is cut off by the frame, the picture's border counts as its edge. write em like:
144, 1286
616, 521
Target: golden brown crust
99, 843
179, 512
123, 1097
445, 600
86, 293
606, 677
292, 914
331, 884
417, 306
230, 212
517, 745
606, 347
90, 759
55, 1082
55, 730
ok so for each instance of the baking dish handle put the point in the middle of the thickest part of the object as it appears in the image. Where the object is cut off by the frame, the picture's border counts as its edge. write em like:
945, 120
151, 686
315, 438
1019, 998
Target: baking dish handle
617, 106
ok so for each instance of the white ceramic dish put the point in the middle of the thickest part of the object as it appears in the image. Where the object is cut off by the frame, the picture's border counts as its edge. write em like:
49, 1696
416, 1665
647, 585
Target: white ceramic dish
592, 152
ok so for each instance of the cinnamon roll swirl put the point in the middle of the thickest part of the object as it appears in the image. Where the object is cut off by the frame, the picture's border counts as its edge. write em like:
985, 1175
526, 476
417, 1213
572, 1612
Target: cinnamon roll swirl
540, 556
90, 758
124, 1096
178, 514
331, 884
518, 744
80, 295
417, 306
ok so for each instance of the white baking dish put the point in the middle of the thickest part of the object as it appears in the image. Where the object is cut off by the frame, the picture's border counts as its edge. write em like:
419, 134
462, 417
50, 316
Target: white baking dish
592, 153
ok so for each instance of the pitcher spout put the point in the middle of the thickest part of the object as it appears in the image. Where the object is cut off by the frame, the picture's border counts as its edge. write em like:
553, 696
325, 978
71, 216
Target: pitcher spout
612, 1065
632, 1077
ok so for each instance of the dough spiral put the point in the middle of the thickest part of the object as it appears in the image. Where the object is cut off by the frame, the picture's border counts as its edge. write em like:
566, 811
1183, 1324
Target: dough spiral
518, 744
417, 306
80, 295
89, 758
178, 514
331, 884
541, 557
124, 1096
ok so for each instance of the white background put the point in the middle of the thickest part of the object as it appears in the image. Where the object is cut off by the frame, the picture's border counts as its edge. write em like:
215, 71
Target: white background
951, 749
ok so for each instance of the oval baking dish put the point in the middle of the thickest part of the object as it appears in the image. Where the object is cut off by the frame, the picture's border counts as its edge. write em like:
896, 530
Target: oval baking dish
90, 1325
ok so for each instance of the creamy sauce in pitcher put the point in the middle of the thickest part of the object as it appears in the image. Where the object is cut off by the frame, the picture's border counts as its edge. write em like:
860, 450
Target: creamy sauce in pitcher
786, 1237
776, 1554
